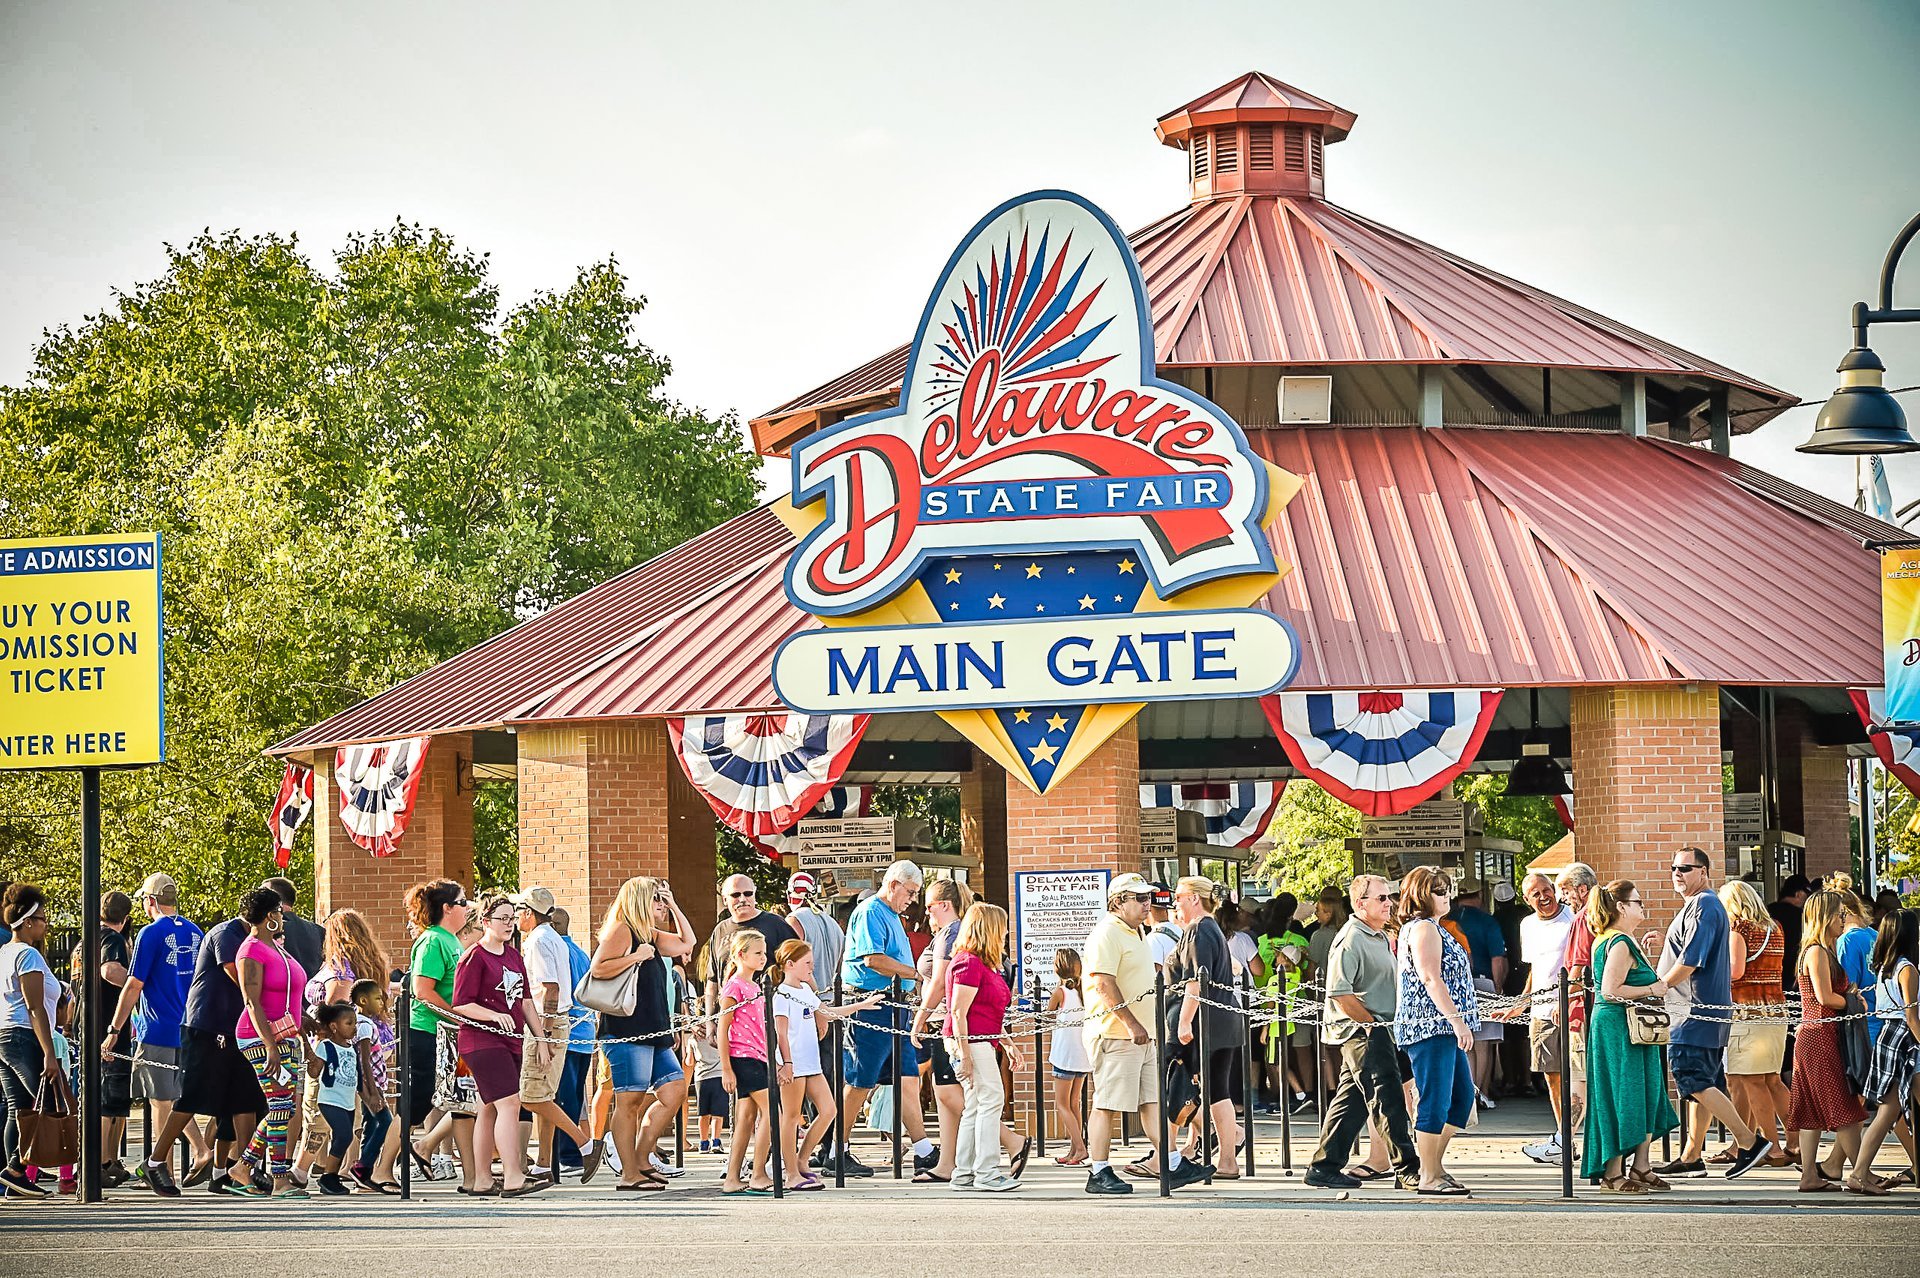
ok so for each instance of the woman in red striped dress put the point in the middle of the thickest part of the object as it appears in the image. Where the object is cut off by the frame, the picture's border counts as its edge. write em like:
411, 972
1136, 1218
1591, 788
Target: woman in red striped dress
1822, 1099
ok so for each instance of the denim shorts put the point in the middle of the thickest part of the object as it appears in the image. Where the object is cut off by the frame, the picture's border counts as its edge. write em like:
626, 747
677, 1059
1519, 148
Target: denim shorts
642, 1067
870, 1047
1697, 1069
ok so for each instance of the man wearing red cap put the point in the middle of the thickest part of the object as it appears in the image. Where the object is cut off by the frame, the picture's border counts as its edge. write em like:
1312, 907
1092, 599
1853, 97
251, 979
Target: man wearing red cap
816, 927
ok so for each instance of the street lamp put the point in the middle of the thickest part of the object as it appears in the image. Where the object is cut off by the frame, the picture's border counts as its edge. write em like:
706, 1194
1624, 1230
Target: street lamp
1861, 417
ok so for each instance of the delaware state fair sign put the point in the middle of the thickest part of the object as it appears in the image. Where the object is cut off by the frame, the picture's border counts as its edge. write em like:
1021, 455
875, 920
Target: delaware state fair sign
1044, 535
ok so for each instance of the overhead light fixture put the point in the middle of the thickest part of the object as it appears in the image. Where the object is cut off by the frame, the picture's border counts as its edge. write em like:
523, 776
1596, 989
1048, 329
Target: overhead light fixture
1535, 774
1862, 416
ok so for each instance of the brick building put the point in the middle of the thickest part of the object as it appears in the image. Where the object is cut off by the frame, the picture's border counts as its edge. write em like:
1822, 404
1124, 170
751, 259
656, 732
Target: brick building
1503, 489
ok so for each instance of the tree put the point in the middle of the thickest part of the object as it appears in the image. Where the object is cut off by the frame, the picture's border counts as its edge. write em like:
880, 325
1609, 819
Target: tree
1309, 834
1529, 820
357, 472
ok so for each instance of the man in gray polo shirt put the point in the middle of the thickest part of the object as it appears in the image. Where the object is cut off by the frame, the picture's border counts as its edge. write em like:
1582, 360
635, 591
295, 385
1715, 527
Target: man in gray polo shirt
1362, 991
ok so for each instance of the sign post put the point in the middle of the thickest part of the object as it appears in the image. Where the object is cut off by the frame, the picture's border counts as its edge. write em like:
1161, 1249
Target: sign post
81, 677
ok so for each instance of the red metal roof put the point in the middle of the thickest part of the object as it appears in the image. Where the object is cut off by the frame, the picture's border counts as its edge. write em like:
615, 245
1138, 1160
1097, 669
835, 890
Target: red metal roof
1255, 97
1422, 558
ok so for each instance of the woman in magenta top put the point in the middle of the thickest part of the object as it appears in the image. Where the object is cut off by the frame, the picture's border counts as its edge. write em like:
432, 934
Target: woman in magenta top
977, 996
268, 1034
490, 995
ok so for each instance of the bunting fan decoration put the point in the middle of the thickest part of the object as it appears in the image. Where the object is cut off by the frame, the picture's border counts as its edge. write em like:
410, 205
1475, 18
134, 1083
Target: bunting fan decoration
1237, 812
1899, 752
291, 808
377, 784
1563, 805
763, 772
841, 801
1382, 752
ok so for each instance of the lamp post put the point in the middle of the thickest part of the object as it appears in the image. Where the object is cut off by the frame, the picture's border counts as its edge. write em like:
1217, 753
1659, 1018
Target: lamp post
1862, 417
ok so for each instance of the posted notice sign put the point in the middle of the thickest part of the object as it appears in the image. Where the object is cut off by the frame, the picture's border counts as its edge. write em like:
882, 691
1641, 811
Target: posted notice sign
856, 851
80, 658
1054, 910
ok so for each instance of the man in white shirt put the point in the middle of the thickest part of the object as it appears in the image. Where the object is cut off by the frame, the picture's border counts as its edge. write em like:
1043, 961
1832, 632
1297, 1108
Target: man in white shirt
1543, 947
1163, 932
550, 984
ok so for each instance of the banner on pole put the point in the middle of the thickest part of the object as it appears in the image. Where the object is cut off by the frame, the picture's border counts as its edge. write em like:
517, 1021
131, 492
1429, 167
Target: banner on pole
1900, 629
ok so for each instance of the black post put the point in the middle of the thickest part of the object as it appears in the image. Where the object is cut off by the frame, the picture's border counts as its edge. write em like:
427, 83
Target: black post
1319, 1071
402, 1062
91, 1155
1166, 1135
839, 1150
146, 1131
1564, 1030
1247, 1090
1039, 1077
680, 1134
774, 1137
893, 1057
1200, 1053
1666, 1137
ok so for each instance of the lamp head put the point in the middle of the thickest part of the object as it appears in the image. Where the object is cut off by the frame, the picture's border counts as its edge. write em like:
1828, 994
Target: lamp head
1861, 417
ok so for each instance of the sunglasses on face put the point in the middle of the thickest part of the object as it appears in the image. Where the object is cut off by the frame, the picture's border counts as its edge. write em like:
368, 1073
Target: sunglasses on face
463, 902
1687, 869
739, 896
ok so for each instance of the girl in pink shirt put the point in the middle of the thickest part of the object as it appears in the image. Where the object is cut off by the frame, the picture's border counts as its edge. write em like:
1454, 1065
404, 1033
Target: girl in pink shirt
743, 1065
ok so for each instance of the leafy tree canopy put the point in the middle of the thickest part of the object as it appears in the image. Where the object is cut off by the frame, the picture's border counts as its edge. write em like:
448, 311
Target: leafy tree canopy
359, 468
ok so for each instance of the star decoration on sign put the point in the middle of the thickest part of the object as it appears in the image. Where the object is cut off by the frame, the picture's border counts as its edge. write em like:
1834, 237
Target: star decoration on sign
1033, 570
1021, 716
1057, 722
1086, 603
1044, 752
1127, 565
953, 575
996, 601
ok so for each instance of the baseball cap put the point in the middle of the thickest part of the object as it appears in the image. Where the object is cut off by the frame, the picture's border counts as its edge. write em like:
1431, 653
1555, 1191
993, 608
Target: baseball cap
1467, 887
161, 888
1162, 896
537, 899
1503, 892
1125, 883
800, 886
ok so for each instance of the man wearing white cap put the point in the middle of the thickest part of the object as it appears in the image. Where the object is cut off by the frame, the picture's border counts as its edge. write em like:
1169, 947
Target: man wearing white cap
550, 986
816, 928
163, 959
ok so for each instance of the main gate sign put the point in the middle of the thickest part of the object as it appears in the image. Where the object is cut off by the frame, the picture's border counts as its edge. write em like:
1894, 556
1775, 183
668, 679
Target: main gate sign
1042, 523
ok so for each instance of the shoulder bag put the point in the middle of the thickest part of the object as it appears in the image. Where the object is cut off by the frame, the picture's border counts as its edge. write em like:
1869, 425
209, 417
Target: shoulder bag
56, 1137
1649, 1024
611, 995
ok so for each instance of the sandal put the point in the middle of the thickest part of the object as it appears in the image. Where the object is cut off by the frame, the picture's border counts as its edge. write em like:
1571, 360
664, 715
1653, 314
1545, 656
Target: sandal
1651, 1180
532, 1185
644, 1185
1452, 1190
927, 1177
1618, 1185
1821, 1187
1020, 1159
1867, 1188
420, 1160
1072, 1160
1364, 1174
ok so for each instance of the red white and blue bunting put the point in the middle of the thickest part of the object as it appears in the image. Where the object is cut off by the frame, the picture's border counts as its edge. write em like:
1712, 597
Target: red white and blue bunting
377, 786
1899, 752
291, 808
763, 772
1237, 812
841, 801
1382, 752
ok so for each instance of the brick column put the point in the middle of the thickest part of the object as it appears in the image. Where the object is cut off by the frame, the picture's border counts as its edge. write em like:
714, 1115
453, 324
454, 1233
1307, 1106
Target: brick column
438, 843
1813, 793
1089, 821
983, 827
1647, 780
600, 803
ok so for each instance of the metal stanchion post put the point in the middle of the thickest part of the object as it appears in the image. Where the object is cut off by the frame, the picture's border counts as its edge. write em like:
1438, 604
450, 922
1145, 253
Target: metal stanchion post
774, 1138
680, 1131
146, 1132
899, 1092
1565, 1032
93, 1021
1247, 1091
1319, 1075
839, 1150
1039, 1077
401, 1070
1200, 1060
1160, 1064
1666, 1136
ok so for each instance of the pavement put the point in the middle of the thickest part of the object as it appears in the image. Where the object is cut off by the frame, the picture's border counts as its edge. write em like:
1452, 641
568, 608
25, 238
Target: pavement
1515, 1222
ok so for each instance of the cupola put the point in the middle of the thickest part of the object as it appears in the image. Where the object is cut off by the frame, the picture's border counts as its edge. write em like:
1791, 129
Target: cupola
1255, 136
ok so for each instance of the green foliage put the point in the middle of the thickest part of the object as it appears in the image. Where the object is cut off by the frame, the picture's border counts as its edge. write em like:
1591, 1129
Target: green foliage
1309, 834
937, 805
357, 473
1529, 820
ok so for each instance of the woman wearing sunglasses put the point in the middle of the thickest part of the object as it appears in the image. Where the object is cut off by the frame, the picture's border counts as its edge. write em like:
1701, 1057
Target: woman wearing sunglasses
1626, 1081
439, 912
491, 996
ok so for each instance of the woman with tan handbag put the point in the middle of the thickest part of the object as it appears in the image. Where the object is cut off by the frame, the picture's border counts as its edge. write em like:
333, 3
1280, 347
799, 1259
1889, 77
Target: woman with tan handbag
28, 992
1627, 1102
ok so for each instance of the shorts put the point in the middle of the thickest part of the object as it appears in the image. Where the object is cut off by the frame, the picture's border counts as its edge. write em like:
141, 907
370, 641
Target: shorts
1697, 1069
156, 1072
870, 1045
1543, 1039
1443, 1080
1220, 1071
940, 1058
642, 1067
1126, 1075
1577, 1065
1068, 1074
749, 1075
539, 1082
1301, 1036
416, 1089
1755, 1047
215, 1079
496, 1072
714, 1101
116, 1079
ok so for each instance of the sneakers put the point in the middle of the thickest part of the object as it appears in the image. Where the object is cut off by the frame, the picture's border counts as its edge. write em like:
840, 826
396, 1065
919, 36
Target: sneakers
664, 1167
442, 1167
1105, 1182
849, 1165
331, 1185
1190, 1173
261, 1179
1748, 1158
995, 1184
1329, 1179
1544, 1151
706, 1147
1301, 1104
1485, 1101
927, 1162
1692, 1169
17, 1182
114, 1174
160, 1180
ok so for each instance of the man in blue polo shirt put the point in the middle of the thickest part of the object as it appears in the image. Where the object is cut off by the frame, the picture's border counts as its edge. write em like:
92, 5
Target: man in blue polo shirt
877, 952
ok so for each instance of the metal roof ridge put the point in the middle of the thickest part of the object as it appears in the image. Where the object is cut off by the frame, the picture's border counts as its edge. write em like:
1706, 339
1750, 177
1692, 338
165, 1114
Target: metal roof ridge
1415, 313
1518, 508
1183, 313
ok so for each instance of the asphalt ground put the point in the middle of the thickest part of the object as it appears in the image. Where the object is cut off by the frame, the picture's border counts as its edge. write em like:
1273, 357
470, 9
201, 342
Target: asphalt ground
1515, 1223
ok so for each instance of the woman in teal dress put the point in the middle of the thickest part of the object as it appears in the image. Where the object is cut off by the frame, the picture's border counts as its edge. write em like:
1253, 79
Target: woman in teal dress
1627, 1102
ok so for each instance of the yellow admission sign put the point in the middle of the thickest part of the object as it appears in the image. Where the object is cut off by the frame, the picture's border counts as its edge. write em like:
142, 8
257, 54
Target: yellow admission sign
80, 652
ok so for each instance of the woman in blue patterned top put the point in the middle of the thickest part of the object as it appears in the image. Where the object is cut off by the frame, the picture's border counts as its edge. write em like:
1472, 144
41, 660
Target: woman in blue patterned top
1439, 1012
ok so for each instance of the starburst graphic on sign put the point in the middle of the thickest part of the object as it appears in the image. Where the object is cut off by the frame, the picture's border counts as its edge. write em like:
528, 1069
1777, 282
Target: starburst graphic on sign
1043, 586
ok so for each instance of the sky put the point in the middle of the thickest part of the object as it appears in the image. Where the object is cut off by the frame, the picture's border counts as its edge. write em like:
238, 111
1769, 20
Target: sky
783, 181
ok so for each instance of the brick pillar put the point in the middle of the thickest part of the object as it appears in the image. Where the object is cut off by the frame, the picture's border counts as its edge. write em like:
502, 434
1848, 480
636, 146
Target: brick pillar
1646, 768
600, 803
983, 827
1089, 821
1826, 821
438, 843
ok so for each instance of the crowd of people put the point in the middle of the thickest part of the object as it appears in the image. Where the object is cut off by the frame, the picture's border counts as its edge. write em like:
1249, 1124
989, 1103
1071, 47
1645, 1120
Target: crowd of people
269, 1043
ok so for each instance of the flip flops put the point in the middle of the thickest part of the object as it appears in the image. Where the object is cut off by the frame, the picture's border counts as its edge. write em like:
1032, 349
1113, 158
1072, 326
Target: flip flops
1451, 1190
928, 1178
1020, 1159
1364, 1174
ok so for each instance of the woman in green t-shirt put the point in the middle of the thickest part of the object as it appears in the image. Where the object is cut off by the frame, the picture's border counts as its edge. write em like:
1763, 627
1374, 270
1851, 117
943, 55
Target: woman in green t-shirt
438, 910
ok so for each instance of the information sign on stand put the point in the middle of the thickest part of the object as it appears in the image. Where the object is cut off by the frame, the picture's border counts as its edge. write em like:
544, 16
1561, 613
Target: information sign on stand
854, 850
1054, 910
1430, 833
